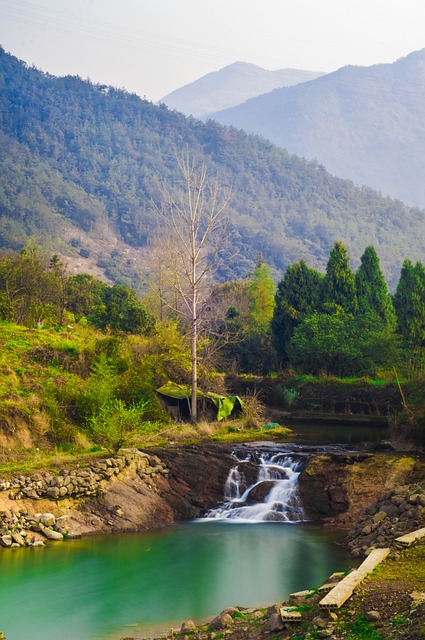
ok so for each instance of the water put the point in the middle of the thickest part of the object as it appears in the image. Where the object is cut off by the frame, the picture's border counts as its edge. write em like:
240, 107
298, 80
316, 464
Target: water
325, 433
271, 496
112, 587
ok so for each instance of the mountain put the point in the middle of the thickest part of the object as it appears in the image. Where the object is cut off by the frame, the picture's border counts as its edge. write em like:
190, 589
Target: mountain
230, 86
363, 123
81, 169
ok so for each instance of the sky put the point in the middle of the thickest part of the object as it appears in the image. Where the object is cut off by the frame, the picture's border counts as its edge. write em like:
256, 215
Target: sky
151, 47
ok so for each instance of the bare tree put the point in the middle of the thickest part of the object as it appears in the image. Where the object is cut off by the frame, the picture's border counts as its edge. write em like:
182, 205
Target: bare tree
193, 233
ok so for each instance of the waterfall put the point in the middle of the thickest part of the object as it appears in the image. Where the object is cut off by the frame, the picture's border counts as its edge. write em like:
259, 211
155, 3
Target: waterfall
262, 487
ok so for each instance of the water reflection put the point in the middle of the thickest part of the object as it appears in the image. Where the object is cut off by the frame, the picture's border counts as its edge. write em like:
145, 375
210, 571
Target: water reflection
88, 588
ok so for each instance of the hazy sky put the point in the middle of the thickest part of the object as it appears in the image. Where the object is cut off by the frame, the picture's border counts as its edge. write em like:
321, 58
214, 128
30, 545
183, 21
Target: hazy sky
152, 47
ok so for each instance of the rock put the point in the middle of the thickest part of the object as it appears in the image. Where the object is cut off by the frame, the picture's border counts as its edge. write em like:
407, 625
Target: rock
319, 622
418, 597
222, 621
372, 616
50, 534
390, 509
378, 517
37, 543
48, 519
275, 622
260, 492
18, 539
53, 493
188, 627
6, 540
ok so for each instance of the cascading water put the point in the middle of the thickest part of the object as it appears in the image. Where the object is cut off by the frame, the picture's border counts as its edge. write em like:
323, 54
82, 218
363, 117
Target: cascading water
262, 487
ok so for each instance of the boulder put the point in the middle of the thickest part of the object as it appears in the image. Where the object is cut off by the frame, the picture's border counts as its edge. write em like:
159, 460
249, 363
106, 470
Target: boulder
222, 621
18, 539
260, 492
6, 540
188, 627
48, 519
275, 622
50, 534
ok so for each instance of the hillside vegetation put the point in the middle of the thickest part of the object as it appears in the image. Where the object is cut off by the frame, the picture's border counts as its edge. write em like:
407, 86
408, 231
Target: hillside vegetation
82, 166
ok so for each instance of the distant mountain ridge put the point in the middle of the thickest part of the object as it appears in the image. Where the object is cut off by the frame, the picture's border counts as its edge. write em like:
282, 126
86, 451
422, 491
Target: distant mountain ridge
81, 169
230, 86
363, 123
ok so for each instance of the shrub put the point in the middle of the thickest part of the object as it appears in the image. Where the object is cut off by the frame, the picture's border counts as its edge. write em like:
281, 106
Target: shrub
116, 425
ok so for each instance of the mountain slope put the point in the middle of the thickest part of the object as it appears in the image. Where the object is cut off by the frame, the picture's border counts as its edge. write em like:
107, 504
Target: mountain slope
230, 86
362, 123
81, 168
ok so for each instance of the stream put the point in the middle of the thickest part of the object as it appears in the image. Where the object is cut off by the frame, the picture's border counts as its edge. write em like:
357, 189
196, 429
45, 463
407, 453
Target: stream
253, 549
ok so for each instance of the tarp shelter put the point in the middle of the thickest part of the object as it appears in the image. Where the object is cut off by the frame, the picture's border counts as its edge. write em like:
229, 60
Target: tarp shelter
178, 398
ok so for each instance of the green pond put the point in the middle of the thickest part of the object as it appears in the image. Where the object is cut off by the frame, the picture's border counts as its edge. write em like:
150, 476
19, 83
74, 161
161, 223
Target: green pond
137, 584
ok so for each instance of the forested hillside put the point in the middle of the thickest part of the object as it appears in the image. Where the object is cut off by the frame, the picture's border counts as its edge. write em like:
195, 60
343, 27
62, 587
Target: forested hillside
362, 123
81, 167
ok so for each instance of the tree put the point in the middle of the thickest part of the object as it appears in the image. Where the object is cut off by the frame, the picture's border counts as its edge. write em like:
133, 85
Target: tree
261, 303
409, 303
83, 294
339, 289
121, 310
343, 344
297, 295
257, 354
192, 237
372, 290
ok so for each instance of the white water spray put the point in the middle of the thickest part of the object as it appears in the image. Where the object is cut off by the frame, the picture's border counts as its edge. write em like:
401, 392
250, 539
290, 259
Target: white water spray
271, 497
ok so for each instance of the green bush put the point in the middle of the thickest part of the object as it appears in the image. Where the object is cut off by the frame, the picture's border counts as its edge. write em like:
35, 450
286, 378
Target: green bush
115, 425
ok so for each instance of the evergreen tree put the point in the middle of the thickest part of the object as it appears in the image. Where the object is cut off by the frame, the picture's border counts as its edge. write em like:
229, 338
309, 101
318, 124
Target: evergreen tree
297, 296
409, 303
339, 289
372, 290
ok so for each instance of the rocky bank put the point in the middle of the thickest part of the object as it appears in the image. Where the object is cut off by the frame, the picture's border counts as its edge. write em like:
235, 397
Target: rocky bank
141, 490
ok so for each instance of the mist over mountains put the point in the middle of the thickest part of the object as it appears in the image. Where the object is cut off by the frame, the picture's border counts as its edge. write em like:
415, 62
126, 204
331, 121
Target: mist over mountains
81, 168
230, 86
362, 123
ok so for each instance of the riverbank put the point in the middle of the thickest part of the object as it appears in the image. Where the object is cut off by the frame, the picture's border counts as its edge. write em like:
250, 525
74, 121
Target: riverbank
142, 490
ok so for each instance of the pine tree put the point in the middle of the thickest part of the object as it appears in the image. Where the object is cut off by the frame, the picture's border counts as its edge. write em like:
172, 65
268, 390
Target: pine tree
372, 290
339, 289
297, 296
409, 303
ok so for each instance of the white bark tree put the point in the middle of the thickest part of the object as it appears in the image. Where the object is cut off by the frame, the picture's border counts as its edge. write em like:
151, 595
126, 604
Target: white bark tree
192, 235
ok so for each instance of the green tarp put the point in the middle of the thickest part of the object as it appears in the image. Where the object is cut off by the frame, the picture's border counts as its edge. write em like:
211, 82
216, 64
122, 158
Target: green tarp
224, 404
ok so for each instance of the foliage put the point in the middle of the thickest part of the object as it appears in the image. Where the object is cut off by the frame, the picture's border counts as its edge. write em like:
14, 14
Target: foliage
342, 344
372, 290
261, 299
409, 303
116, 424
338, 287
297, 295
121, 310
